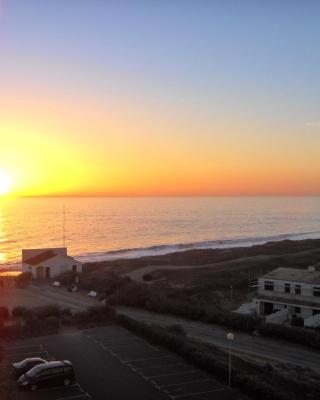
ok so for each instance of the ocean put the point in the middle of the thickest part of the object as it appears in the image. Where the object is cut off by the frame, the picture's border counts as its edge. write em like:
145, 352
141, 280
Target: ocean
109, 228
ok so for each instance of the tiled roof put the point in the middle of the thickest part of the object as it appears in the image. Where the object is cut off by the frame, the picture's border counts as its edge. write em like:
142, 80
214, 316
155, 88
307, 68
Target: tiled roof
40, 257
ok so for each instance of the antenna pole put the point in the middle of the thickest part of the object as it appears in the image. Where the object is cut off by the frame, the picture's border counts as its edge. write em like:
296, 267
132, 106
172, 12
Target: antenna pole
64, 225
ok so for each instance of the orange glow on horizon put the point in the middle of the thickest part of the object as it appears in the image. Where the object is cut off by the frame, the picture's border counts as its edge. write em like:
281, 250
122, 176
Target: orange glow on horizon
135, 152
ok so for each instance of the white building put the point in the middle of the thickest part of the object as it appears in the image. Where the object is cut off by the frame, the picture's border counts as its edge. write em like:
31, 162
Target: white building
48, 263
285, 292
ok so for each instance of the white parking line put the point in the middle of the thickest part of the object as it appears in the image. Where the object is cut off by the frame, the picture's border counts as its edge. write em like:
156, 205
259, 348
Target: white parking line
123, 346
158, 366
185, 383
175, 373
32, 354
149, 358
197, 393
78, 396
51, 389
23, 347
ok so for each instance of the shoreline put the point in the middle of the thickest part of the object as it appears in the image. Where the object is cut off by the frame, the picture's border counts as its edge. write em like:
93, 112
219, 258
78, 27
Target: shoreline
204, 257
196, 255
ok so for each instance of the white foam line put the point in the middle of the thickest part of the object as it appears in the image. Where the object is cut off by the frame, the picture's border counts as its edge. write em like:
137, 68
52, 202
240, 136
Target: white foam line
197, 393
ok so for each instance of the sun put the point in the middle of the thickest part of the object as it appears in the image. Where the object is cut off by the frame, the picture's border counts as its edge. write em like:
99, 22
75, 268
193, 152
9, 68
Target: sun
5, 183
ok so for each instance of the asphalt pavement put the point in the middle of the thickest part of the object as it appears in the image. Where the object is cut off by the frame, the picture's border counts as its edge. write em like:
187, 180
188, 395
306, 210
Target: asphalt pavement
112, 363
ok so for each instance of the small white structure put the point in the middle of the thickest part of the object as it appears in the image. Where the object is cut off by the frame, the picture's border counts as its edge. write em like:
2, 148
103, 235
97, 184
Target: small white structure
285, 292
48, 263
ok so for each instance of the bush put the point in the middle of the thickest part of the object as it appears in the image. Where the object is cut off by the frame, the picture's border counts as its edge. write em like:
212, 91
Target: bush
138, 295
147, 277
19, 312
297, 321
293, 334
94, 315
50, 310
23, 280
4, 313
177, 330
66, 278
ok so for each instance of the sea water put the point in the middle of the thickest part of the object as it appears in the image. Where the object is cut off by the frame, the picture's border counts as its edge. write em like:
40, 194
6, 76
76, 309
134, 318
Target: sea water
108, 228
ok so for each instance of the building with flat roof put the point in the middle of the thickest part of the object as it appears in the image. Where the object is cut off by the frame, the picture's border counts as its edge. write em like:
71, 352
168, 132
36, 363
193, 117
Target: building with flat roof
48, 263
287, 292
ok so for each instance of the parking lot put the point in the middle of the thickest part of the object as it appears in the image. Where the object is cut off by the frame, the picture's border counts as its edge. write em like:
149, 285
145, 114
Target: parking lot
111, 362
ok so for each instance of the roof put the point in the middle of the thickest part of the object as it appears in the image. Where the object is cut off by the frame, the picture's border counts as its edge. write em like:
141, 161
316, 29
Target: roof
294, 275
40, 257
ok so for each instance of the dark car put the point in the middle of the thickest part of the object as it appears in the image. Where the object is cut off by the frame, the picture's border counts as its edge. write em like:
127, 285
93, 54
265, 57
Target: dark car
52, 373
24, 366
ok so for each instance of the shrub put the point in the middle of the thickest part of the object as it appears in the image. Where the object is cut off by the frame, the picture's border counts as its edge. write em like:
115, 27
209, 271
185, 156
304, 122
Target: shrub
297, 321
177, 329
50, 310
19, 311
138, 295
4, 313
147, 277
66, 278
94, 315
23, 280
293, 334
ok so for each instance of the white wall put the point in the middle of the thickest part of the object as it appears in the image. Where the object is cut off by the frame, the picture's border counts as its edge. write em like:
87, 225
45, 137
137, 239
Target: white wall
57, 264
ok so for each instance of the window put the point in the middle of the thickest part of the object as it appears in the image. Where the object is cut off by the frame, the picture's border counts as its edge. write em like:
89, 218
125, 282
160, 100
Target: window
287, 287
297, 289
315, 312
268, 285
316, 291
297, 310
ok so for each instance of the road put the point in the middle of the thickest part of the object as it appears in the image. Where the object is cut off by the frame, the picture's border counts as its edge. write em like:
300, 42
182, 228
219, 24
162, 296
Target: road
39, 295
257, 347
112, 363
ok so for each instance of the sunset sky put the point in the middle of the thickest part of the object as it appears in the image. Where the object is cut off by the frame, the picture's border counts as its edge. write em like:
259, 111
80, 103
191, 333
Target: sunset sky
165, 97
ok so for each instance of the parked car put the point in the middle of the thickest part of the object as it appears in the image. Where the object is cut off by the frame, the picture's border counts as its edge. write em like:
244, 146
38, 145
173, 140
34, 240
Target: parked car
52, 373
24, 366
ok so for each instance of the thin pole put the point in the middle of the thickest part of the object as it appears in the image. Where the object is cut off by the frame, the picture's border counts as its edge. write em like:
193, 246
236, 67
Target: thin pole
64, 225
229, 363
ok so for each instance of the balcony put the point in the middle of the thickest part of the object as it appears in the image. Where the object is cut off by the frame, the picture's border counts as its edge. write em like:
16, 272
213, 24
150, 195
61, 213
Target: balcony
289, 298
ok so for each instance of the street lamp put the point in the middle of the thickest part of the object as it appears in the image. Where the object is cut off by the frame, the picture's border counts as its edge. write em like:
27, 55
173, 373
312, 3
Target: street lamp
230, 337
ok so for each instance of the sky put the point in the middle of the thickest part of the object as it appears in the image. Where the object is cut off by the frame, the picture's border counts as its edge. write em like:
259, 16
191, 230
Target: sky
165, 97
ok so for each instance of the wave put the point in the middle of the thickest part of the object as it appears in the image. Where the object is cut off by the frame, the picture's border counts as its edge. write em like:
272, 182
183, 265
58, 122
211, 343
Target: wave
158, 250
